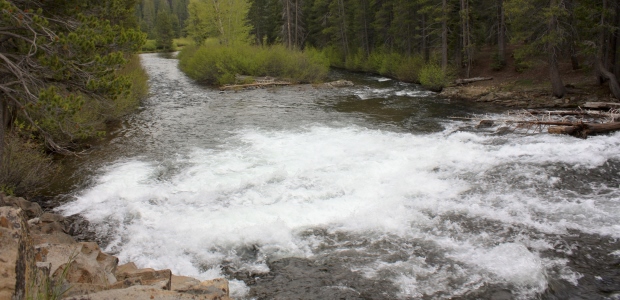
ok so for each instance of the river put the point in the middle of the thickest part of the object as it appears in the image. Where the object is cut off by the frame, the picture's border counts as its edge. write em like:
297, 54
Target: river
362, 192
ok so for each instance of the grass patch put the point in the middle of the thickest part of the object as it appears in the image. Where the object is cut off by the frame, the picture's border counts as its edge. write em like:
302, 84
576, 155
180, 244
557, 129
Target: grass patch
181, 43
26, 168
218, 64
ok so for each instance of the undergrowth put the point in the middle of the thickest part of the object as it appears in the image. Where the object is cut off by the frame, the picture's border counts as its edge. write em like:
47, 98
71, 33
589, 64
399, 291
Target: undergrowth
408, 68
219, 64
27, 167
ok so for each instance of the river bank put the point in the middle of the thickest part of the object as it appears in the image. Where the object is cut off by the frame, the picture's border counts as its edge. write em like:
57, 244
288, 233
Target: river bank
40, 260
522, 97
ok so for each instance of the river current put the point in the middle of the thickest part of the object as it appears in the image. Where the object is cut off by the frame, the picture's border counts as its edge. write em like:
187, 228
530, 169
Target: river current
362, 192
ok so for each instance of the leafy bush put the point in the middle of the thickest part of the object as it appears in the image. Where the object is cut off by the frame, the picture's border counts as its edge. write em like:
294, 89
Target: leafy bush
182, 42
432, 77
129, 102
26, 168
409, 69
218, 64
149, 46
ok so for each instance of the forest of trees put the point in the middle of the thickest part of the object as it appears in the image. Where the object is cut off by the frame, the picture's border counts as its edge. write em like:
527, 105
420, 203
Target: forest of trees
447, 33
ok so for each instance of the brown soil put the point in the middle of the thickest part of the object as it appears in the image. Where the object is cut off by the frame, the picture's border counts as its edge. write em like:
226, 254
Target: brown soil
537, 77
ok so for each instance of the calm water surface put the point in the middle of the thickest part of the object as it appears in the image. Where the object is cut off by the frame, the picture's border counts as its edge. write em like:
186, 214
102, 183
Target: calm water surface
363, 192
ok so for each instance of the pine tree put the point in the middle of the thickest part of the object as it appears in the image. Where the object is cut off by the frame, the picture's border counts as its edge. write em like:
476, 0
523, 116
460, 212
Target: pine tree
58, 56
165, 30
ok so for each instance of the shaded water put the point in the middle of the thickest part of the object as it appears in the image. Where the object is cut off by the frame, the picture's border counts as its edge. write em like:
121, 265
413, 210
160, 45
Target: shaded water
364, 192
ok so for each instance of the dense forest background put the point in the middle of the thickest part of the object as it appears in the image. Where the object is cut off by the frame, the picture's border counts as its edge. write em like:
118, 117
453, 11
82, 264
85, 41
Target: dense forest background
450, 34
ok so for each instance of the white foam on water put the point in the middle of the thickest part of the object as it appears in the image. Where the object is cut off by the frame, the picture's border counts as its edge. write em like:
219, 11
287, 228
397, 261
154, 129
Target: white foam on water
264, 188
380, 79
414, 93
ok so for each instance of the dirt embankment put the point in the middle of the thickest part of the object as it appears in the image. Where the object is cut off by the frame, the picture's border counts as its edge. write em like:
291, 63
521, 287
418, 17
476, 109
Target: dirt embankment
529, 88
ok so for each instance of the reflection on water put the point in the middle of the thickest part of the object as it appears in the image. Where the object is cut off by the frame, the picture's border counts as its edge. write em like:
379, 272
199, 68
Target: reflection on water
363, 192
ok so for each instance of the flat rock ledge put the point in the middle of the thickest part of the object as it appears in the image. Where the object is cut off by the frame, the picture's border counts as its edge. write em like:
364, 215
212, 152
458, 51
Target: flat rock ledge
35, 250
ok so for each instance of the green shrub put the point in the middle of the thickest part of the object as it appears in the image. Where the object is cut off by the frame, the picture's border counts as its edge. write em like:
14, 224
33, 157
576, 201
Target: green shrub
129, 102
149, 46
182, 42
26, 168
409, 69
432, 77
219, 64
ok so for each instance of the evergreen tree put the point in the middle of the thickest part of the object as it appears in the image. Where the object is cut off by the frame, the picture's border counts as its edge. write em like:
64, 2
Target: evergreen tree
56, 56
165, 30
149, 15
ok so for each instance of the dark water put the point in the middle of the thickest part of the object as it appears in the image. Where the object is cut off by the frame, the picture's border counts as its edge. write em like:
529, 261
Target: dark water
363, 192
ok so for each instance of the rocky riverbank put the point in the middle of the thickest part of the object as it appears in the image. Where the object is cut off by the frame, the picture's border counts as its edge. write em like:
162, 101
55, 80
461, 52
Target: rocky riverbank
37, 257
522, 97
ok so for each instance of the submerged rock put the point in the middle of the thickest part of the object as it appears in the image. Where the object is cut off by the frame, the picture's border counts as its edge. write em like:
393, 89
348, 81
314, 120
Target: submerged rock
339, 83
299, 278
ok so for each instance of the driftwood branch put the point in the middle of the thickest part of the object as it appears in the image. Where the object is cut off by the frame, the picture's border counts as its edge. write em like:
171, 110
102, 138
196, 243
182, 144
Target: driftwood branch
577, 123
470, 80
253, 85
601, 105
585, 129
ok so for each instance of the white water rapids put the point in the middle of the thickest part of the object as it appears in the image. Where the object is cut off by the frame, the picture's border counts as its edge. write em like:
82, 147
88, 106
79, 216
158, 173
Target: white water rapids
461, 209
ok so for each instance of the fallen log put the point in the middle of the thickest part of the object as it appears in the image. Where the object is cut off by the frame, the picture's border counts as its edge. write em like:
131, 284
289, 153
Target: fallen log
583, 130
470, 80
601, 105
571, 113
253, 85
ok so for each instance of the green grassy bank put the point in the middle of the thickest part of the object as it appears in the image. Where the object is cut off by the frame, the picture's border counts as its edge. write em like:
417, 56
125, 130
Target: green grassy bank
217, 64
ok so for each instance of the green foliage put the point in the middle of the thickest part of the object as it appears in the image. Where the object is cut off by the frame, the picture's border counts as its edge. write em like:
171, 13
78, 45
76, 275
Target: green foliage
433, 78
165, 31
218, 64
224, 20
182, 42
409, 69
149, 46
79, 48
25, 168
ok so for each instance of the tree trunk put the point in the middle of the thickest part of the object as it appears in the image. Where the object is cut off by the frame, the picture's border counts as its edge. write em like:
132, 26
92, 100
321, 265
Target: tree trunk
424, 39
366, 38
572, 44
343, 28
584, 130
602, 46
501, 33
465, 33
289, 41
444, 36
554, 73
616, 44
296, 23
613, 81
4, 116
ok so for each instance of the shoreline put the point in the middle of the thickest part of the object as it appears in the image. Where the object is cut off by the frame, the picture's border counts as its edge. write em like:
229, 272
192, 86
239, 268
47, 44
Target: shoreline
39, 256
